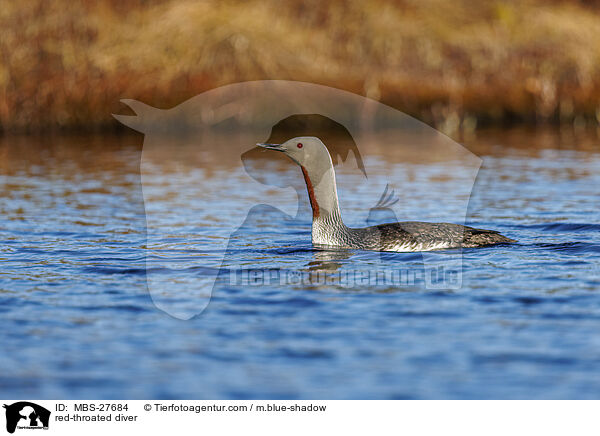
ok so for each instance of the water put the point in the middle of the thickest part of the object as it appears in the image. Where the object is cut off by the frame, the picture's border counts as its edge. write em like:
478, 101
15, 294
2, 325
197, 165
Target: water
78, 320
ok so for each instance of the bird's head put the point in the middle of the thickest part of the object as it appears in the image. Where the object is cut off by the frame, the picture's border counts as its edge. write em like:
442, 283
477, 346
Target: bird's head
306, 151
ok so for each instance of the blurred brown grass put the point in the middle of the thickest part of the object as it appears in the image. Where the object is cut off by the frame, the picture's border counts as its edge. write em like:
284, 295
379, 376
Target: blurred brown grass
65, 64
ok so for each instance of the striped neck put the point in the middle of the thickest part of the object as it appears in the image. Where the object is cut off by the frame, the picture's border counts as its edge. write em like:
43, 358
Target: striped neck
322, 193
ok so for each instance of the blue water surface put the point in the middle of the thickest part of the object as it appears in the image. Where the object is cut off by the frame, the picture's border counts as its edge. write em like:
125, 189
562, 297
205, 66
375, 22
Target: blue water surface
77, 319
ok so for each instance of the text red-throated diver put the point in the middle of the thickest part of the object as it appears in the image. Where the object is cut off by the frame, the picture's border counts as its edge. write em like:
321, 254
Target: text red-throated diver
328, 229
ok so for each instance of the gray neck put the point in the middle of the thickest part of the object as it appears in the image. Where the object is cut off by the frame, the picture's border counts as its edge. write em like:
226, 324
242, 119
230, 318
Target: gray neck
327, 225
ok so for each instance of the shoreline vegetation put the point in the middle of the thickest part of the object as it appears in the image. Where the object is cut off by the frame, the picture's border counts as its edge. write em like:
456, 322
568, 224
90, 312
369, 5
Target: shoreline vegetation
455, 65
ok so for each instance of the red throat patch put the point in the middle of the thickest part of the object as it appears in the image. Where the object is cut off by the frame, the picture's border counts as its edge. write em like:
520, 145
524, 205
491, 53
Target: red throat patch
311, 193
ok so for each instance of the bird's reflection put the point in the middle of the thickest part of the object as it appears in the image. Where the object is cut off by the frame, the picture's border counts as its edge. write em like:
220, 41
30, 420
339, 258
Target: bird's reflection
327, 260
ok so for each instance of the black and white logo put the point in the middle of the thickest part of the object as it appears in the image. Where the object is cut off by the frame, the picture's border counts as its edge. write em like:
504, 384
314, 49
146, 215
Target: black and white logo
26, 415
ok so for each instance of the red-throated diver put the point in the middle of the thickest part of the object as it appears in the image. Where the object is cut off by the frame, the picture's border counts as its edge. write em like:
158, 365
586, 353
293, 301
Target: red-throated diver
328, 229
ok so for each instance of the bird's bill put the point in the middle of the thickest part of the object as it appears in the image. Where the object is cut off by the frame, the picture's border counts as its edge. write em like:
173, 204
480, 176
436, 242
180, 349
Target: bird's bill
268, 146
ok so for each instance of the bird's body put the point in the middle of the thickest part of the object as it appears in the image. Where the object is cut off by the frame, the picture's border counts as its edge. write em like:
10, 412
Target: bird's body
329, 230
412, 236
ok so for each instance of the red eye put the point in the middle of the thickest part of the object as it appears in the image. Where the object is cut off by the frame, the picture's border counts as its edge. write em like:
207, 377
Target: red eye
299, 145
